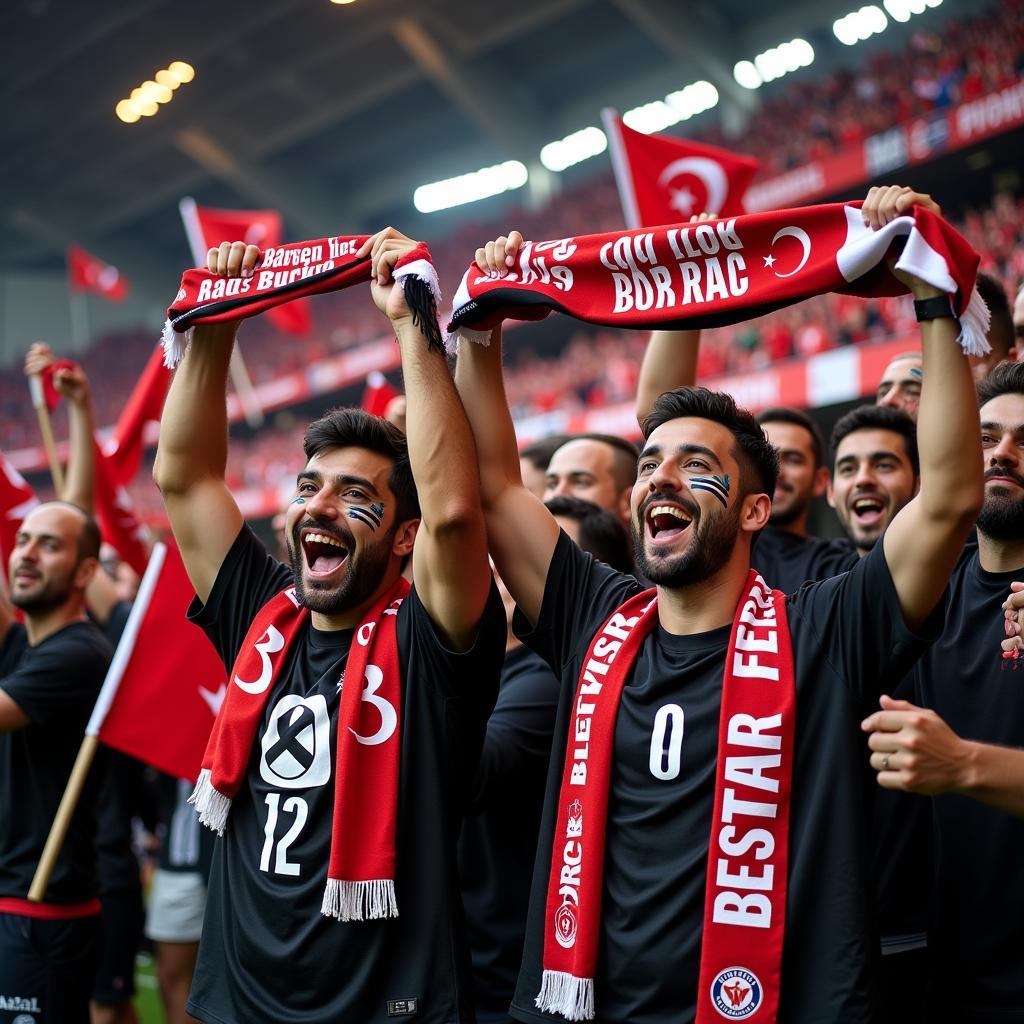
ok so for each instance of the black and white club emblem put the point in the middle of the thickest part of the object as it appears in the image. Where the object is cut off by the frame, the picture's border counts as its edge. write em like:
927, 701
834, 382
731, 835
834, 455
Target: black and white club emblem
296, 744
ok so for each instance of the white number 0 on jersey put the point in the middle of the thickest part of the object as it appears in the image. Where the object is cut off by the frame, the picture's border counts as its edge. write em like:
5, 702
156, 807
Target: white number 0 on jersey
667, 742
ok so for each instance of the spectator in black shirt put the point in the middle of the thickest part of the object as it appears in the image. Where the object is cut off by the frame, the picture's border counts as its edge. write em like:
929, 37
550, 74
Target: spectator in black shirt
594, 467
534, 459
366, 501
852, 635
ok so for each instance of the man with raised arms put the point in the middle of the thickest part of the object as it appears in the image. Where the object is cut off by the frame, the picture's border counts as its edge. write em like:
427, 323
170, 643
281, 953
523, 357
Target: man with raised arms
703, 845
348, 739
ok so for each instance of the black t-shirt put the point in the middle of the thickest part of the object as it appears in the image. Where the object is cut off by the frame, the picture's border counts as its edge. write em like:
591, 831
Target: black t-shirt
787, 561
499, 837
267, 953
55, 683
978, 937
849, 642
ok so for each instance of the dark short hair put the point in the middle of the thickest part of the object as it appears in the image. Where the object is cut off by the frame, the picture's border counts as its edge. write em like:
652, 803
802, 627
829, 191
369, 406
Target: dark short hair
89, 538
878, 417
757, 456
345, 427
798, 418
601, 533
1006, 379
1000, 332
539, 453
624, 456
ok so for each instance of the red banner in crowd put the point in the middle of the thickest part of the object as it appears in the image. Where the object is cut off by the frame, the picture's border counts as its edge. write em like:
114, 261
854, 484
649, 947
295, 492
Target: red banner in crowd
166, 682
119, 523
208, 227
88, 273
17, 499
378, 394
665, 180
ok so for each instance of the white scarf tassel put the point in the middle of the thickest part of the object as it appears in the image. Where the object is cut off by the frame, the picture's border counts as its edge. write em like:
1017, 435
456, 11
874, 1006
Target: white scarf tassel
175, 345
567, 995
360, 901
974, 325
451, 341
211, 806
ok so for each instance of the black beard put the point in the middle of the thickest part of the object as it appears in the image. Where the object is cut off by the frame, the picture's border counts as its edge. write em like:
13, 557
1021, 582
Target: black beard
44, 600
713, 541
365, 572
1001, 518
791, 515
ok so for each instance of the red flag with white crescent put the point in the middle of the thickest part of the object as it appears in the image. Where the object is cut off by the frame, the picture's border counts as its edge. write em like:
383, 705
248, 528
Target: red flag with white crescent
166, 681
17, 499
665, 180
208, 227
88, 273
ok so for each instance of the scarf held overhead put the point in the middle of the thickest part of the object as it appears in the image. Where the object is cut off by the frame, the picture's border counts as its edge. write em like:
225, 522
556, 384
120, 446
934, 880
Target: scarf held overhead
693, 276
361, 873
290, 272
745, 896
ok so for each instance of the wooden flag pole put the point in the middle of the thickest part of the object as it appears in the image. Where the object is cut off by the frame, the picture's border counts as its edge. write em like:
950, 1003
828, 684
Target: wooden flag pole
35, 387
59, 828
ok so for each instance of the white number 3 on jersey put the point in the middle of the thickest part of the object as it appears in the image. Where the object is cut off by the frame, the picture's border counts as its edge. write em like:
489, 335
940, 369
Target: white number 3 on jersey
667, 742
388, 715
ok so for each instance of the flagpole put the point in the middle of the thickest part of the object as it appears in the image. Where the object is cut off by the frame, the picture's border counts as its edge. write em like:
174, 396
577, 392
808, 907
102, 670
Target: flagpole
620, 168
240, 377
35, 387
87, 751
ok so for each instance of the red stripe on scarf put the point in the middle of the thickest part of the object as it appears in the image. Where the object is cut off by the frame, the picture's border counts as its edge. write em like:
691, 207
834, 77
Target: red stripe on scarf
722, 272
745, 903
361, 873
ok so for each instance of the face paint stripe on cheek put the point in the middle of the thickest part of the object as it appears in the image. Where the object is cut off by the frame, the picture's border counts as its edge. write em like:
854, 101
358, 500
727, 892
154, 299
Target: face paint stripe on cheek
370, 517
716, 485
299, 500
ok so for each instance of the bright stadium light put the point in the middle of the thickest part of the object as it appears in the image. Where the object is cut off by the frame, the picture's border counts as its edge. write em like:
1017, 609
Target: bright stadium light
469, 188
144, 100
694, 99
903, 10
573, 149
126, 112
155, 92
774, 63
859, 25
747, 75
164, 77
182, 72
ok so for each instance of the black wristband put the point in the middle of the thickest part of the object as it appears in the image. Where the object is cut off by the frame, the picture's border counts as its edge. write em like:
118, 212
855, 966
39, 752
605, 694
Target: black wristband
935, 308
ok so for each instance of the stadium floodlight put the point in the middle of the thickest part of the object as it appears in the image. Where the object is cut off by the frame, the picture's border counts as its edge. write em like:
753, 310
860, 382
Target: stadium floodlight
782, 59
694, 99
747, 75
651, 117
155, 92
573, 149
903, 10
469, 188
144, 100
126, 112
861, 24
182, 71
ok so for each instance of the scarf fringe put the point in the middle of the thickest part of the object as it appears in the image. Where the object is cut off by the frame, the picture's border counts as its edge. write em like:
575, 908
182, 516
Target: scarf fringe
175, 345
211, 806
567, 995
452, 339
974, 324
422, 294
359, 901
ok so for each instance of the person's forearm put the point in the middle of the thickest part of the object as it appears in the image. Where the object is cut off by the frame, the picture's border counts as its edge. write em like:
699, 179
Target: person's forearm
482, 390
948, 428
193, 442
79, 484
670, 361
995, 776
441, 449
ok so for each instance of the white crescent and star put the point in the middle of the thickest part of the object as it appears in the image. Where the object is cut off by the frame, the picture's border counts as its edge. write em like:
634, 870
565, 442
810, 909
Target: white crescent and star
710, 175
790, 231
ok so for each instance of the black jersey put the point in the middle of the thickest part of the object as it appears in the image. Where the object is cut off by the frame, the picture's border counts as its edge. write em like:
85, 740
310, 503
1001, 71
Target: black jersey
978, 937
787, 561
55, 683
499, 837
849, 643
267, 953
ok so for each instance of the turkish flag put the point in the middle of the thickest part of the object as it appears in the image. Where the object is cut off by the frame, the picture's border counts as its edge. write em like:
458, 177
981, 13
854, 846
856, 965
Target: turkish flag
119, 523
378, 393
51, 395
207, 227
88, 273
17, 499
166, 682
145, 404
664, 180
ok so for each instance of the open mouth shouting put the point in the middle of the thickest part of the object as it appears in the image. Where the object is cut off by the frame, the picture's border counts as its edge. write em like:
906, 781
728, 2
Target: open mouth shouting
666, 522
324, 554
867, 510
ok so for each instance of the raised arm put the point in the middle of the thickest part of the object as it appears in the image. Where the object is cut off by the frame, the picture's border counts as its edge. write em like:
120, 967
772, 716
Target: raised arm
192, 452
670, 361
521, 532
450, 567
924, 541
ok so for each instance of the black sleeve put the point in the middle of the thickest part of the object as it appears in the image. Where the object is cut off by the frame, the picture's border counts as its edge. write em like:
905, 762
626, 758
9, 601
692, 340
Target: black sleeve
59, 679
579, 595
248, 578
518, 737
857, 623
114, 626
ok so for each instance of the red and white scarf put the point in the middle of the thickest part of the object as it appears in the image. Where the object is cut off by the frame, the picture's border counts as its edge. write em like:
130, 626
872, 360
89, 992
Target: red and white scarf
745, 901
691, 276
361, 873
290, 272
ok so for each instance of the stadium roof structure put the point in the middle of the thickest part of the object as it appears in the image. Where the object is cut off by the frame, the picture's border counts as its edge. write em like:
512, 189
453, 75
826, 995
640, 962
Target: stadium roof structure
331, 113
